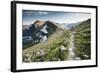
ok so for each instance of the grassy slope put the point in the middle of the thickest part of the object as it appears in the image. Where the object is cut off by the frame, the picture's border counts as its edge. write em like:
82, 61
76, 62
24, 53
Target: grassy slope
51, 47
83, 40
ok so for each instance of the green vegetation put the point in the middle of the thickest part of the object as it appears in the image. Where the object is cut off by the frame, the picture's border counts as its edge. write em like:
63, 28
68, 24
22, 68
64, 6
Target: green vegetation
49, 50
83, 40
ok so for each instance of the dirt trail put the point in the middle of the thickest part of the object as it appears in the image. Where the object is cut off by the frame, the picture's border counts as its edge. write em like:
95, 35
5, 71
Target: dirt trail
71, 54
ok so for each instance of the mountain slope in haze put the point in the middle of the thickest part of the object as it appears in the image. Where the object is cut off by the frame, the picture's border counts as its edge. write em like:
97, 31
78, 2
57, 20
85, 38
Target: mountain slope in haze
83, 39
70, 25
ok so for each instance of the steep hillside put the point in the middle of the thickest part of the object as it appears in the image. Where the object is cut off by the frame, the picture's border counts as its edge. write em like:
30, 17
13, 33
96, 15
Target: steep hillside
49, 43
83, 39
49, 50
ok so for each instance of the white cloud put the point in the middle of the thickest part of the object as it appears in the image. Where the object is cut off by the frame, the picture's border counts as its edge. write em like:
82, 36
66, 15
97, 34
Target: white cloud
36, 12
41, 13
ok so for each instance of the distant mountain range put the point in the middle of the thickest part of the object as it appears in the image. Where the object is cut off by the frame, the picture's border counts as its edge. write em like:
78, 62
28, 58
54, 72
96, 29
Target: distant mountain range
69, 25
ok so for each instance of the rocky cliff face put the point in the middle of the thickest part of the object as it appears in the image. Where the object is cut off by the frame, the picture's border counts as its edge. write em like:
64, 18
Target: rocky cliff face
38, 32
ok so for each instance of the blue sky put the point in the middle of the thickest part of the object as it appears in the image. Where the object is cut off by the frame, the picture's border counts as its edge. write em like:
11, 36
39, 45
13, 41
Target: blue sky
30, 16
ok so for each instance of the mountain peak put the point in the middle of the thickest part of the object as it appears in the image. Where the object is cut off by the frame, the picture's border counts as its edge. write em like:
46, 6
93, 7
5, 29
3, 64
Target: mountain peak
39, 23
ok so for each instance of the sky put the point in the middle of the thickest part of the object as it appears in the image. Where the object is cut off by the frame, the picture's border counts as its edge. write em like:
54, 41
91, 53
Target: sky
30, 16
